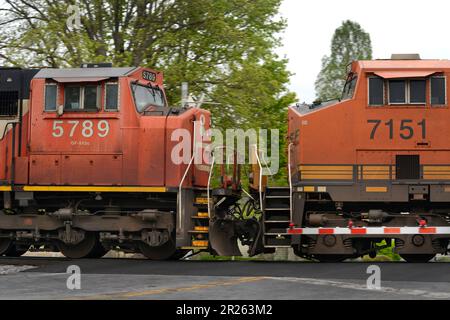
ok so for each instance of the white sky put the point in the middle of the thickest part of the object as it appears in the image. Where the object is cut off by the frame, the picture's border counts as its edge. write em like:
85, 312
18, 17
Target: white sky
395, 26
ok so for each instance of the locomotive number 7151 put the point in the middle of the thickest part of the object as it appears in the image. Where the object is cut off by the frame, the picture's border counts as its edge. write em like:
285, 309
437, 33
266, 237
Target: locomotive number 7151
406, 130
87, 128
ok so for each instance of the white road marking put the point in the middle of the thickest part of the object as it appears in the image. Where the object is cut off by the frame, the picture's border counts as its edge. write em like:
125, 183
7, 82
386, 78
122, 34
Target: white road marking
10, 269
356, 286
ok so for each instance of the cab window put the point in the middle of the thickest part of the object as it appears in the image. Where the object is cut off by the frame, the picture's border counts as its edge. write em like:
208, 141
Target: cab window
349, 88
376, 91
90, 98
397, 91
111, 97
145, 97
417, 91
78, 98
438, 96
51, 91
407, 91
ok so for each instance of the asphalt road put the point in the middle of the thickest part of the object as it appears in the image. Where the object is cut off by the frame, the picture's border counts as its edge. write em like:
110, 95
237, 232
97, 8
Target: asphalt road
46, 278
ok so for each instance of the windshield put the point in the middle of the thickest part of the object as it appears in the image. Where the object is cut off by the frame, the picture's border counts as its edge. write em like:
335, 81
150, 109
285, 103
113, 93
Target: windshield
145, 97
349, 88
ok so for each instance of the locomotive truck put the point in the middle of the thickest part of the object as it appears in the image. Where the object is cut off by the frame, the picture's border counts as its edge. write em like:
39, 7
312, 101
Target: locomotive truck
85, 167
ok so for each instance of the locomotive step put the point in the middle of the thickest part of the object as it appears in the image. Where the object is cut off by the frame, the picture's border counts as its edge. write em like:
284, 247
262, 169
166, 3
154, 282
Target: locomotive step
276, 216
200, 244
203, 214
277, 192
276, 209
198, 231
200, 217
201, 201
277, 197
201, 228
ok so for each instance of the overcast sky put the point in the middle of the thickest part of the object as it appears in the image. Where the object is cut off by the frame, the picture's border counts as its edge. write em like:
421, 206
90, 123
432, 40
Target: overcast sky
395, 26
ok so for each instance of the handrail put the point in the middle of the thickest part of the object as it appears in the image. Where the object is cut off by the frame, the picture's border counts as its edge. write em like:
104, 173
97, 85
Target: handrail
211, 169
194, 151
265, 163
290, 181
179, 190
5, 128
260, 178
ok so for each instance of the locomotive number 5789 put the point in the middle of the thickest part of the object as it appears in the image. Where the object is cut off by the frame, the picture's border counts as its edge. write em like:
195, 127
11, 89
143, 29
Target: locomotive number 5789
87, 128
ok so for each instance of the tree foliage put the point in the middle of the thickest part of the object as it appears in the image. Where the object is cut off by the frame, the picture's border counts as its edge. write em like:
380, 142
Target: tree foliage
199, 41
222, 48
350, 42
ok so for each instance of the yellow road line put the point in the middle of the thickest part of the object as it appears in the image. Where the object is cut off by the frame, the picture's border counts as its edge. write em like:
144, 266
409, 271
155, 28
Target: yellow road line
134, 294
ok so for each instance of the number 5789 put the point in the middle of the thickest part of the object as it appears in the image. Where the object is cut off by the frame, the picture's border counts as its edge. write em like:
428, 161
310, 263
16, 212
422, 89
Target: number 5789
87, 128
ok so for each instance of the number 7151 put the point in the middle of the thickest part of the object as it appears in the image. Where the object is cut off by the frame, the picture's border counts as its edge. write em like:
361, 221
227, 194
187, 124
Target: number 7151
406, 130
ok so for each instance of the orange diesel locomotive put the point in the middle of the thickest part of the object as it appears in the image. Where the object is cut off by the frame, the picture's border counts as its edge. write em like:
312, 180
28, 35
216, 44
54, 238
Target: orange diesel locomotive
85, 164
373, 167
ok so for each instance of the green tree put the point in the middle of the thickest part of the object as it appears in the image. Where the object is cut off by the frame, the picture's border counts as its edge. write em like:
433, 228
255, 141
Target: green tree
350, 42
222, 48
199, 41
259, 99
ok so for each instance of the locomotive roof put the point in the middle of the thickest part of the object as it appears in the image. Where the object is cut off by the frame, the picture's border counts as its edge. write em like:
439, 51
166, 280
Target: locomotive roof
84, 73
404, 64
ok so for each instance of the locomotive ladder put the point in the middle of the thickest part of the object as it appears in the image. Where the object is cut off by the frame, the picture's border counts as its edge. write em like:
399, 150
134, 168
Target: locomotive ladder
276, 217
200, 223
276, 206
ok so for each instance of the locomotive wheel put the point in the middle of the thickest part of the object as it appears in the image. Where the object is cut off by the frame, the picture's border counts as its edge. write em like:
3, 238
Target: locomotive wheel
5, 245
90, 247
14, 251
417, 258
163, 252
330, 258
98, 251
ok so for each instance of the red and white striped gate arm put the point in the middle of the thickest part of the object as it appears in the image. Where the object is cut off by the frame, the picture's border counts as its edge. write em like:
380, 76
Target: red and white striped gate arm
370, 230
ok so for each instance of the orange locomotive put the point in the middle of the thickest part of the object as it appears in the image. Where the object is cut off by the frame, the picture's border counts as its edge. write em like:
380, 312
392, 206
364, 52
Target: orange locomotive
373, 166
85, 164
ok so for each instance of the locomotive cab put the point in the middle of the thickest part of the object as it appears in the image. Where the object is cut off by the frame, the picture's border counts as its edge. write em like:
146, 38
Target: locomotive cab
378, 157
90, 165
102, 126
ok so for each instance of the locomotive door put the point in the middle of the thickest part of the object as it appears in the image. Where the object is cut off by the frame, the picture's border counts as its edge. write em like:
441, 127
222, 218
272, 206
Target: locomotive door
407, 167
81, 146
